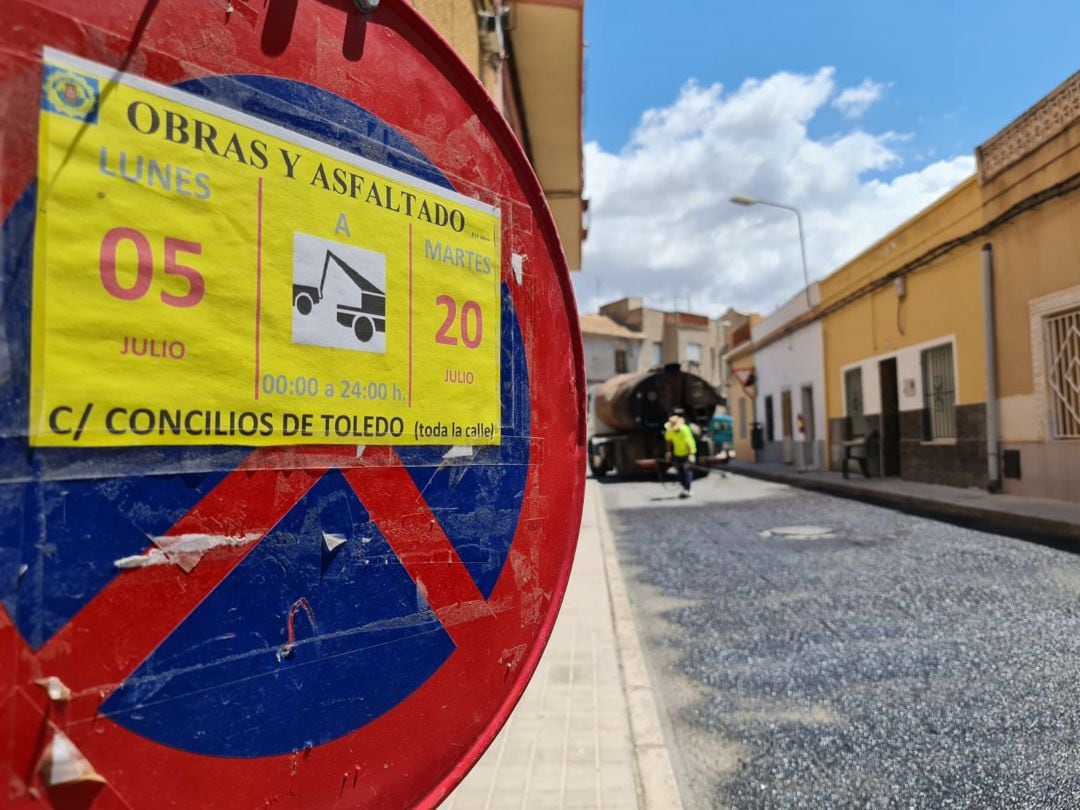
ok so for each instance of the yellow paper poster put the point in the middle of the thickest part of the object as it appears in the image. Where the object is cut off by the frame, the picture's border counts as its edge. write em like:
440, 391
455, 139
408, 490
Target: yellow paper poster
205, 277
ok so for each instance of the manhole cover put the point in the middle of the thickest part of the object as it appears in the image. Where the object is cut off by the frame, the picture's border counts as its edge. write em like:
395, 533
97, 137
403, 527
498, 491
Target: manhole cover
798, 532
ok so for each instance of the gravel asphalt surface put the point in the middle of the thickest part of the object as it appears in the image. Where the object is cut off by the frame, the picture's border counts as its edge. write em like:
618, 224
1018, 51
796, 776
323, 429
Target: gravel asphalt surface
894, 662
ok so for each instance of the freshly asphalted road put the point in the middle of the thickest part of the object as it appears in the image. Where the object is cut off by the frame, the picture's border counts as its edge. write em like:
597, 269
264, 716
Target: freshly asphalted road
895, 662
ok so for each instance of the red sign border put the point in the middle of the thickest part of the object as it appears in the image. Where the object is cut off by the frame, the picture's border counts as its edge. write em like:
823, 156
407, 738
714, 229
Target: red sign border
538, 517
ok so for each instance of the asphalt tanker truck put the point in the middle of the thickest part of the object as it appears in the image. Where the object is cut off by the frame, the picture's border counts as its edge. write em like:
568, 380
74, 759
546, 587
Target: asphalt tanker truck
629, 411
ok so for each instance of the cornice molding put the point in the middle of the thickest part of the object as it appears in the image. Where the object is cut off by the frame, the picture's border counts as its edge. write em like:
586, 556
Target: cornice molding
1048, 118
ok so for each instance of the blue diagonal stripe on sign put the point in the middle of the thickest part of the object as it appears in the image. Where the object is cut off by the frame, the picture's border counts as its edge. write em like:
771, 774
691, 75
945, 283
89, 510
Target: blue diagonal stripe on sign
227, 681
477, 498
66, 515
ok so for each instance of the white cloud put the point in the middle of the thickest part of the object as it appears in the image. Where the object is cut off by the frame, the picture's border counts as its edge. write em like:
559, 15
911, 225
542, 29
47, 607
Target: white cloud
661, 225
852, 102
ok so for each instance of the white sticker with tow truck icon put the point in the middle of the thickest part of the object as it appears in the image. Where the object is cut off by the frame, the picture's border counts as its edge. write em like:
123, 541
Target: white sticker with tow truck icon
339, 295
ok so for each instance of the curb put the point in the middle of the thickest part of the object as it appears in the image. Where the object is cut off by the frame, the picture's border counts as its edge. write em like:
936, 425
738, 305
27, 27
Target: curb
995, 520
657, 786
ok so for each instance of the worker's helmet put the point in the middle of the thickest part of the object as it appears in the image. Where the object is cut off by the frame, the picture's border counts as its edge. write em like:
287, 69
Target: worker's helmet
676, 420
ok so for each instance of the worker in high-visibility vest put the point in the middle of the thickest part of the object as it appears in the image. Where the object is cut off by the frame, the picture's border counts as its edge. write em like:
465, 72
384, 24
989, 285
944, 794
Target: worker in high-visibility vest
681, 448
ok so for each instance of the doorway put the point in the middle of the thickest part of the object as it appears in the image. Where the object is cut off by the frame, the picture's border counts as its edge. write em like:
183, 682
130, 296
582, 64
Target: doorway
890, 417
809, 437
785, 419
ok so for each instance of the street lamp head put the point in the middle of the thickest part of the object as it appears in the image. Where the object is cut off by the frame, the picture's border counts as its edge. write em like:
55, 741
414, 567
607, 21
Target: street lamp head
742, 199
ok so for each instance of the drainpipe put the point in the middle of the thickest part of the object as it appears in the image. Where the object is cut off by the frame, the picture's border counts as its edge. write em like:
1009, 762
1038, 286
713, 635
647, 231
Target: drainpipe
992, 462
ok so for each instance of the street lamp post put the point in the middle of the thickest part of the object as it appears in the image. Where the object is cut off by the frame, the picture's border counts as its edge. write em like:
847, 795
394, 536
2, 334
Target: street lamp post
743, 200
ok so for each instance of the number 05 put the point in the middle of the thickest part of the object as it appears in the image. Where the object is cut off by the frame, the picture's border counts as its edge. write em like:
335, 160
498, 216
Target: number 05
144, 268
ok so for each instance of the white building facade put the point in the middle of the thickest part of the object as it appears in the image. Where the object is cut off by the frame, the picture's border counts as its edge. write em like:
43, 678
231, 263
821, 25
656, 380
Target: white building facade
790, 375
610, 349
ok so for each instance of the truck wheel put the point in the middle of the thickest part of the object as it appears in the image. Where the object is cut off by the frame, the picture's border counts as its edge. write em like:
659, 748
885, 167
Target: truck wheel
598, 463
364, 329
626, 466
303, 303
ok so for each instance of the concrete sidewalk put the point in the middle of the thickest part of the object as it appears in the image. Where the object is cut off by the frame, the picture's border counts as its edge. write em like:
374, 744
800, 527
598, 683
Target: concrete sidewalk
586, 733
1041, 518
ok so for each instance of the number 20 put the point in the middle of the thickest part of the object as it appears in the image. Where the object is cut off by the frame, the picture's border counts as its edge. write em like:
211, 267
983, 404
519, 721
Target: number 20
472, 323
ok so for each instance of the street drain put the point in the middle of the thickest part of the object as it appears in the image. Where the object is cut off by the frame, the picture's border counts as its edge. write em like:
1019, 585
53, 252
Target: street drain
798, 532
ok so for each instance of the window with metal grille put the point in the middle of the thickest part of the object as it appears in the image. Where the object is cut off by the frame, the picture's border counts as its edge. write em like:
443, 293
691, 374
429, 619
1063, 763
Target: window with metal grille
1062, 341
939, 393
621, 366
854, 399
770, 434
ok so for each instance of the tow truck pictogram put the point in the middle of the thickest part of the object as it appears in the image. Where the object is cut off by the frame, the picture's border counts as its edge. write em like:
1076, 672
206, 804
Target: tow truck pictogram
365, 320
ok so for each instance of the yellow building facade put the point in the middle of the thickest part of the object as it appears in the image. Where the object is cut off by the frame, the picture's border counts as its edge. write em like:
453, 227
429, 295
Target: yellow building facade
954, 342
902, 333
1030, 187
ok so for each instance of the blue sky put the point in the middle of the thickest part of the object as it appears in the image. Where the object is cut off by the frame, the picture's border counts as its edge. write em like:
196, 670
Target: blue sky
858, 113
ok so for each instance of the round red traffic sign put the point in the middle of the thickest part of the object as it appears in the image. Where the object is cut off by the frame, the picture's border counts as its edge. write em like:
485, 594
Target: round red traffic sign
318, 626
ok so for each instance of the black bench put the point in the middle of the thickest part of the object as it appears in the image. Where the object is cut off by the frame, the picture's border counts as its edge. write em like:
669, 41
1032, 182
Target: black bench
860, 450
